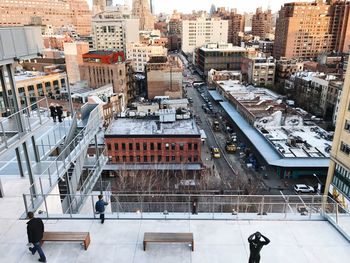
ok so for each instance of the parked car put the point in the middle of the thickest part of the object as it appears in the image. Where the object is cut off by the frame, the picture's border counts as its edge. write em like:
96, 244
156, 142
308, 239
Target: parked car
303, 188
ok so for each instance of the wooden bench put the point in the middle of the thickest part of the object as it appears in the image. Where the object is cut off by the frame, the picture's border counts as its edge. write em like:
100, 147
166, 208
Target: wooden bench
83, 237
168, 238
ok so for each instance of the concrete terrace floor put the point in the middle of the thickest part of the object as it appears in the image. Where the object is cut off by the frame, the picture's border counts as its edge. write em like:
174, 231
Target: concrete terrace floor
215, 241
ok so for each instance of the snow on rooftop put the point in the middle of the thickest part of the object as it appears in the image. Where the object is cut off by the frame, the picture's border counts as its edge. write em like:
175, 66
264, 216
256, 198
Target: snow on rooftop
130, 126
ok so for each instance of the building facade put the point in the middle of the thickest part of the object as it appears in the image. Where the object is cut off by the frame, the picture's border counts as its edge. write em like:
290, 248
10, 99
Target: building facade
141, 53
45, 12
98, 72
73, 53
201, 31
164, 77
305, 30
145, 141
261, 71
338, 180
141, 9
262, 23
111, 31
219, 56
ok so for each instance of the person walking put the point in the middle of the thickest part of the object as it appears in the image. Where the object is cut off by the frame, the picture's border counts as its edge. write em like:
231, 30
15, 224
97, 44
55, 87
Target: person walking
35, 232
100, 208
53, 112
59, 110
255, 246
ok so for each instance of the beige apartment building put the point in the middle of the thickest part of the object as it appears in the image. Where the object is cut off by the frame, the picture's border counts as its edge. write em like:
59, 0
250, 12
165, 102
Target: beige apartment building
73, 53
261, 71
112, 31
305, 30
164, 77
47, 12
141, 9
201, 31
140, 54
338, 180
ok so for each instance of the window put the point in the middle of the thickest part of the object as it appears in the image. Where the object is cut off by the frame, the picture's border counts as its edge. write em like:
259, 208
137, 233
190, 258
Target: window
137, 146
159, 146
167, 158
131, 158
189, 159
181, 146
116, 146
173, 158
190, 146
159, 158
181, 158
123, 147
173, 146
130, 146
145, 146
195, 158
195, 146
152, 158
108, 146
167, 146
138, 158
124, 158
145, 158
152, 146
345, 148
347, 125
117, 159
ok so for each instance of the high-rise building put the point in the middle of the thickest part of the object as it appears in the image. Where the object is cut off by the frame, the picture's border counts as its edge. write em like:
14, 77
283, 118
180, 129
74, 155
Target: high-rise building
141, 9
262, 23
305, 30
201, 31
152, 7
235, 24
98, 6
338, 180
111, 31
57, 14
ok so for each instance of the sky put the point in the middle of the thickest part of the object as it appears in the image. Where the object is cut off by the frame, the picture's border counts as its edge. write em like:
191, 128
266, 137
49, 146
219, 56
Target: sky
186, 6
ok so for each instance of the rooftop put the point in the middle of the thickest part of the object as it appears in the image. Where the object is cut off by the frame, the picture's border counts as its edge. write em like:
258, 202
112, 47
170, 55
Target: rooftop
149, 127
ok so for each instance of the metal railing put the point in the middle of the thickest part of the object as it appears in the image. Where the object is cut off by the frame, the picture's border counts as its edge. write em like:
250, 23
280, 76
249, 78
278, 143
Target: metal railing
19, 124
59, 165
203, 207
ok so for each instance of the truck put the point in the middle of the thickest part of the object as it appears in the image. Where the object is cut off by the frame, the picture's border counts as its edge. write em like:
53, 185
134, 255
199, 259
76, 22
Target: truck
216, 125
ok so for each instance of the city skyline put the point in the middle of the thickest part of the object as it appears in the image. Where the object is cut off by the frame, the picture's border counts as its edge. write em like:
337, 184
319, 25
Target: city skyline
180, 6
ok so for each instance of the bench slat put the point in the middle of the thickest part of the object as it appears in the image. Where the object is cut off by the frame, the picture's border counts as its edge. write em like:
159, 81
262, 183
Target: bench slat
168, 238
68, 236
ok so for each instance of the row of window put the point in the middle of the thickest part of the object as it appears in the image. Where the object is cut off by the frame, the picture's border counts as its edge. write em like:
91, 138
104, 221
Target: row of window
341, 185
152, 158
152, 146
345, 148
347, 125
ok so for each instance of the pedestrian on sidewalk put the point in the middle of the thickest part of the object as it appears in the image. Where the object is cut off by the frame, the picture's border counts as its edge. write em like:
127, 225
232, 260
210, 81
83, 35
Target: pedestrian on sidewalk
35, 232
53, 112
255, 246
100, 208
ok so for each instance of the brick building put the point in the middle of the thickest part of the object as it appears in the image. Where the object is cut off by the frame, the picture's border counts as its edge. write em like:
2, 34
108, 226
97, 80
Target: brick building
148, 141
47, 12
305, 30
164, 77
262, 23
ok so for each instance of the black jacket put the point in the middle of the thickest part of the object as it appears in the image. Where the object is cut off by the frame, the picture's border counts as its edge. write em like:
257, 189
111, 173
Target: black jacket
35, 230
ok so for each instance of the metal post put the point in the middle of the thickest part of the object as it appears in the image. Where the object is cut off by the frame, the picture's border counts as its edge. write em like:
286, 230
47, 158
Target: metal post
15, 95
3, 134
19, 162
1, 190
29, 169
25, 203
69, 97
35, 150
4, 88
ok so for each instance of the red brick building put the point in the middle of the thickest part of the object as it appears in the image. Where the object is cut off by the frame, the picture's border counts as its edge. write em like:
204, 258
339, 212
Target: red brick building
135, 141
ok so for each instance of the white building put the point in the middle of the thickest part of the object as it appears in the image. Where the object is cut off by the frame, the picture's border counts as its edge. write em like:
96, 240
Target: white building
112, 31
196, 33
141, 53
261, 71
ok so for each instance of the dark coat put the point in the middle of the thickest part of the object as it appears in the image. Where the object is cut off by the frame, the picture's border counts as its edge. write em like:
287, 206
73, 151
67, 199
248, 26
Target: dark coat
35, 230
53, 111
